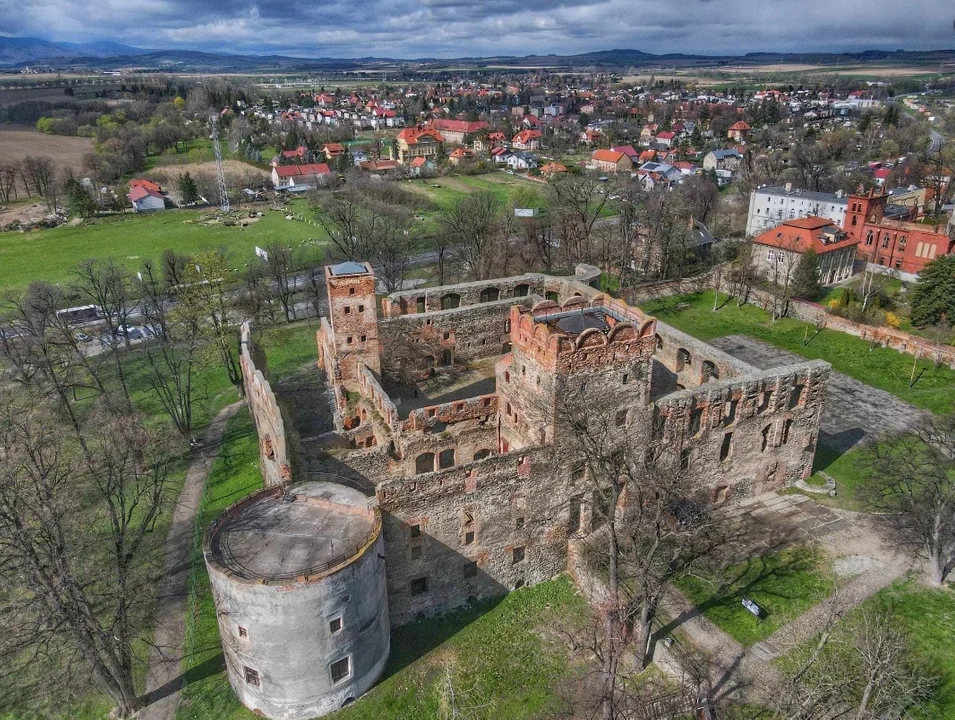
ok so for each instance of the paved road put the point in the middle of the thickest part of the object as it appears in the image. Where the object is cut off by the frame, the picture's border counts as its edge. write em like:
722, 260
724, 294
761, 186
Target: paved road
853, 409
164, 676
937, 141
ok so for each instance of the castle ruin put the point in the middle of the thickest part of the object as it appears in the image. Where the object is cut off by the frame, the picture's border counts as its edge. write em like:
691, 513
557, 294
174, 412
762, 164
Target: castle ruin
472, 486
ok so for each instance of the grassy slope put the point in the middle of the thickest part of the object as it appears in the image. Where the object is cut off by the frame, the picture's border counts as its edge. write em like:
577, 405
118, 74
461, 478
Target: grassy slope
784, 584
51, 254
881, 368
501, 653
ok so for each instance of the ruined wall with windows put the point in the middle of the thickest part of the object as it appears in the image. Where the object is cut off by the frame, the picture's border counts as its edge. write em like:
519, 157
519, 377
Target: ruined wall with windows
446, 337
269, 423
747, 435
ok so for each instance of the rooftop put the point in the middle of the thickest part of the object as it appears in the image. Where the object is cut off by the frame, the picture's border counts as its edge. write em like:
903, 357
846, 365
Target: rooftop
808, 194
349, 267
312, 529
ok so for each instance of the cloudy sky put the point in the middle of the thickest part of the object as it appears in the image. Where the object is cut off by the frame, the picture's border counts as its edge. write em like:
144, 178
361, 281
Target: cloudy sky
455, 28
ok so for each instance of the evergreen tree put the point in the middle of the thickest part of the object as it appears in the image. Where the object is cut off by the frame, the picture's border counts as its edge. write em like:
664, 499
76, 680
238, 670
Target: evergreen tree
79, 199
806, 276
188, 189
933, 298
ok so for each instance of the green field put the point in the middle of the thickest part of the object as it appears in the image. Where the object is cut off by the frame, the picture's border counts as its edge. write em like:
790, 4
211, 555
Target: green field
880, 367
785, 584
130, 239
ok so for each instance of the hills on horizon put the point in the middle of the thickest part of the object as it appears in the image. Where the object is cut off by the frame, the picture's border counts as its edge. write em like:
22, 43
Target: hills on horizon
19, 52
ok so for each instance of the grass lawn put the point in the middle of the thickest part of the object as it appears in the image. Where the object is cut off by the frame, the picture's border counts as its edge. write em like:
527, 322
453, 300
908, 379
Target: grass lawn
501, 649
880, 367
51, 254
928, 613
785, 584
848, 472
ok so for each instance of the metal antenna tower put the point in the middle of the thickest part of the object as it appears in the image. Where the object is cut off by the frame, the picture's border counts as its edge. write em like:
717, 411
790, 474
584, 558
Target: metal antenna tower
220, 174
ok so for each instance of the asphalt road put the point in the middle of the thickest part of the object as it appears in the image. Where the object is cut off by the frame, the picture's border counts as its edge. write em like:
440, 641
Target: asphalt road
937, 141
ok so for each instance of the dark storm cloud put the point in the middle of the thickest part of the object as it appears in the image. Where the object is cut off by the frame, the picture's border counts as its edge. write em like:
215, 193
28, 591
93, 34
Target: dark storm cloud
454, 28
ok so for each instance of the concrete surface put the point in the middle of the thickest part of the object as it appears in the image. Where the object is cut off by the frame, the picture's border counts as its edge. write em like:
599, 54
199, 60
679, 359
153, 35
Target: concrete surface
853, 410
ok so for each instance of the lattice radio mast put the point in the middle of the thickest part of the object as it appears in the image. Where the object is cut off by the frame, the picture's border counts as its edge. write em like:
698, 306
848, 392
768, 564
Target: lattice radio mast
220, 173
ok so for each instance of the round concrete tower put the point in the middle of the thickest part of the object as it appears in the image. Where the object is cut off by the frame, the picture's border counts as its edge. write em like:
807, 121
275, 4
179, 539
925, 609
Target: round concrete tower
298, 579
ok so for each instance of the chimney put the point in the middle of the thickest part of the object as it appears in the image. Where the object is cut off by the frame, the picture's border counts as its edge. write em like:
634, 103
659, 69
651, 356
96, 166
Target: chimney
789, 187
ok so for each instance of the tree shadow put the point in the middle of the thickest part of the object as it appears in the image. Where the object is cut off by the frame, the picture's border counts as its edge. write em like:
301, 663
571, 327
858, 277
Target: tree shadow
208, 667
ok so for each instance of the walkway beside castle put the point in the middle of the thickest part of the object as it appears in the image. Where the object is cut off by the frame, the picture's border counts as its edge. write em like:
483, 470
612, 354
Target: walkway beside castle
164, 676
861, 555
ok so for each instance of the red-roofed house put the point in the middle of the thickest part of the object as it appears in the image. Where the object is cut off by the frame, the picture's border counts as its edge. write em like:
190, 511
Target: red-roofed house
553, 167
145, 199
332, 150
609, 161
881, 175
527, 140
285, 177
647, 156
417, 142
298, 154
460, 155
148, 184
776, 252
458, 131
738, 131
665, 138
628, 151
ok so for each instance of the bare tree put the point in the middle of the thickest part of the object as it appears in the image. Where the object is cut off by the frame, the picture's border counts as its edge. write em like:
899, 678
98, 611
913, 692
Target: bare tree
281, 268
8, 183
477, 227
871, 284
577, 206
861, 667
173, 357
77, 593
912, 479
39, 173
650, 521
106, 285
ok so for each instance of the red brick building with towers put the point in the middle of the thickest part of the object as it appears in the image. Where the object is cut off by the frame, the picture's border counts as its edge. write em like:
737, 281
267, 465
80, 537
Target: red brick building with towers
903, 246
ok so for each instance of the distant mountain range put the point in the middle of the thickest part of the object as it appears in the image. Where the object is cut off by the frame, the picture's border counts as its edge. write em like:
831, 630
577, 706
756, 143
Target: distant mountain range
20, 52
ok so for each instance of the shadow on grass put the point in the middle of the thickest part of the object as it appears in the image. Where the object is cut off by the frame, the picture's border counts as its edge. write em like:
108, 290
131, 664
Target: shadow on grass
210, 666
760, 575
416, 639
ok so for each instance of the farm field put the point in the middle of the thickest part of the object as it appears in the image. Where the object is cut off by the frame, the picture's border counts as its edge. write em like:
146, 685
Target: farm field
130, 239
18, 141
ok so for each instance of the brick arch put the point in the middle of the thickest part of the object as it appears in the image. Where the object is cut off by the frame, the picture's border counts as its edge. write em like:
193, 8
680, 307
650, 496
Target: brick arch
527, 324
575, 302
646, 328
591, 337
540, 334
545, 305
622, 332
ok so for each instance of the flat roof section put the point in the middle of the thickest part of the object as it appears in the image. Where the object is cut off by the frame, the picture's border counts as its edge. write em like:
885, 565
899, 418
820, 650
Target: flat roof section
349, 268
310, 529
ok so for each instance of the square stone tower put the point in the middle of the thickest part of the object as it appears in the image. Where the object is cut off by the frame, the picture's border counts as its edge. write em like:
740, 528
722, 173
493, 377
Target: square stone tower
580, 352
353, 316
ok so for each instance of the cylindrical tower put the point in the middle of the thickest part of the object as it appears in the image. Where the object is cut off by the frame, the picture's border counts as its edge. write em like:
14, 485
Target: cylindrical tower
298, 578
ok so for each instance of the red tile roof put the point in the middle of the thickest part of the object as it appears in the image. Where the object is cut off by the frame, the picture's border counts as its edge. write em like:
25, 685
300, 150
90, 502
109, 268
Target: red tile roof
525, 136
611, 156
412, 135
141, 191
801, 234
741, 125
464, 126
148, 184
285, 171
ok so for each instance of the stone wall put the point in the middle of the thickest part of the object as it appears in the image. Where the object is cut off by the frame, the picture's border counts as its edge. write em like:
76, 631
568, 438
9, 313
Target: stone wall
269, 423
468, 333
473, 532
750, 434
690, 362
445, 297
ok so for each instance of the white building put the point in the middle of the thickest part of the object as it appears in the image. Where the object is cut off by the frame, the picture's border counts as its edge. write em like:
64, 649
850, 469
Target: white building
775, 204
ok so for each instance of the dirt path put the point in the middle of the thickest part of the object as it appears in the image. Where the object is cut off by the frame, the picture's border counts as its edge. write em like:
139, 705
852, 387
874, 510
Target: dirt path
859, 550
164, 677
